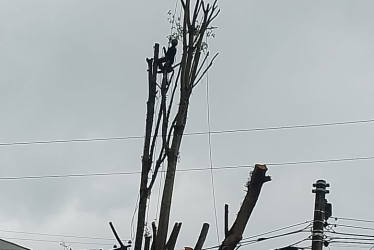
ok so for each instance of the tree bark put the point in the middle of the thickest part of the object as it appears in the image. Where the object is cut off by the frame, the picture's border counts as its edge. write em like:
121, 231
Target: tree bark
202, 237
235, 234
226, 220
147, 242
193, 32
146, 158
170, 174
154, 234
173, 236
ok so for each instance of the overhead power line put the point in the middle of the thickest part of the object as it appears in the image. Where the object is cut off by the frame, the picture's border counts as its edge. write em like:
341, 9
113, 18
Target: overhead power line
322, 161
54, 241
350, 238
355, 227
277, 230
210, 153
353, 219
72, 140
123, 138
248, 242
255, 238
351, 242
353, 234
185, 170
67, 175
56, 235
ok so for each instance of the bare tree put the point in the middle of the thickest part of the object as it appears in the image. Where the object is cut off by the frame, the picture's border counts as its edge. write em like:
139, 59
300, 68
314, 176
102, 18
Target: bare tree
254, 185
166, 123
161, 122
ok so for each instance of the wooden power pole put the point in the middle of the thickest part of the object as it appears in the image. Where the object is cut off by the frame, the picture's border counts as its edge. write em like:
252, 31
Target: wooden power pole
319, 213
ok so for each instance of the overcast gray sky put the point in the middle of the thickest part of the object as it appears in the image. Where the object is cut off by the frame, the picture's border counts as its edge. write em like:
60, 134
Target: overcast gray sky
75, 69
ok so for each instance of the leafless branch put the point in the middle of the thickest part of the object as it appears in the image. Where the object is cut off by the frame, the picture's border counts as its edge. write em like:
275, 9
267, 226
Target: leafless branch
173, 94
165, 121
202, 64
194, 67
154, 234
159, 161
170, 245
155, 135
195, 12
202, 237
206, 70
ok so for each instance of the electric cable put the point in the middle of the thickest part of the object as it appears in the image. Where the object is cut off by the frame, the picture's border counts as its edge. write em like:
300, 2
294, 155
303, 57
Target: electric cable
54, 241
279, 229
298, 242
352, 234
184, 170
211, 155
352, 242
352, 219
55, 235
122, 138
351, 238
337, 245
132, 230
355, 227
247, 241
322, 161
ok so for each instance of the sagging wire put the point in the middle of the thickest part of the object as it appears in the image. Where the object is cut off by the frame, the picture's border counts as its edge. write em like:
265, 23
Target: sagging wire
296, 243
273, 237
248, 241
346, 238
352, 219
210, 152
280, 229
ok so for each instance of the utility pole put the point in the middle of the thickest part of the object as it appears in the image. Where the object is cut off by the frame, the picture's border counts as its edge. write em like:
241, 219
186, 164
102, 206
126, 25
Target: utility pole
319, 213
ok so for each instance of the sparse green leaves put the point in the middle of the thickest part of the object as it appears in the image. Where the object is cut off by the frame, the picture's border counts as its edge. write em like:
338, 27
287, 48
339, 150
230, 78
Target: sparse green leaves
176, 30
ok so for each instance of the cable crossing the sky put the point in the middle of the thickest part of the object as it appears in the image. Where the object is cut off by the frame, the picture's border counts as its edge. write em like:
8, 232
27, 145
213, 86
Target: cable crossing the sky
185, 170
229, 131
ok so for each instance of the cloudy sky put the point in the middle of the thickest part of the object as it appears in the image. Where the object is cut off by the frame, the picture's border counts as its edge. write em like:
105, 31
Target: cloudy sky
75, 69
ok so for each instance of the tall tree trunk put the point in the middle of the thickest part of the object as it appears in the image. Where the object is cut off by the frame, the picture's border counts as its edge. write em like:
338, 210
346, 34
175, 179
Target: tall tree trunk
195, 25
170, 174
146, 158
235, 234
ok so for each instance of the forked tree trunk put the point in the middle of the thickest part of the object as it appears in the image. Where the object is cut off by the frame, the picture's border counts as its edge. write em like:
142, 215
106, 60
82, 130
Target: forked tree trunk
147, 157
190, 67
195, 23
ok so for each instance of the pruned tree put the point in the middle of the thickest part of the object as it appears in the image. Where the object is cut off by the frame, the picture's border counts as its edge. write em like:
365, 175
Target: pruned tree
166, 123
196, 22
190, 72
254, 185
